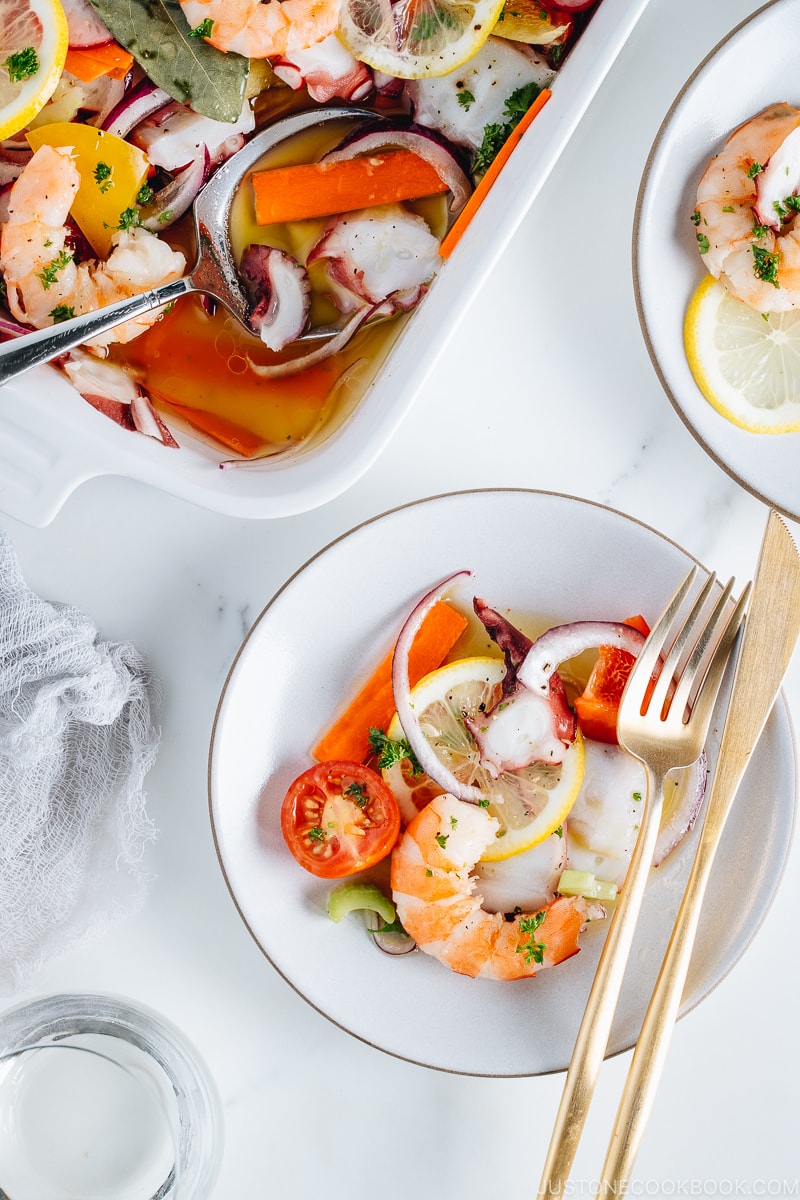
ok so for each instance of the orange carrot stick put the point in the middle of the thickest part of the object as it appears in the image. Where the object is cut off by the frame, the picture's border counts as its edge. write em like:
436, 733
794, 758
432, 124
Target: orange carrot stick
321, 189
373, 707
454, 235
234, 437
89, 64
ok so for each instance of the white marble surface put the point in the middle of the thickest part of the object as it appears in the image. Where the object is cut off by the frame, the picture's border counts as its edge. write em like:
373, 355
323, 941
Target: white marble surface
547, 384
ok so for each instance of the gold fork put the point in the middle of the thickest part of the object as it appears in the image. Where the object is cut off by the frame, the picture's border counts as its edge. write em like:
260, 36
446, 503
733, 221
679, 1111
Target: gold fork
663, 721
771, 633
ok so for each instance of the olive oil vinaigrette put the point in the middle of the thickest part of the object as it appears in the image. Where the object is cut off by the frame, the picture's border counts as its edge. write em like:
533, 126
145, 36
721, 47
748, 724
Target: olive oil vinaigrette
196, 365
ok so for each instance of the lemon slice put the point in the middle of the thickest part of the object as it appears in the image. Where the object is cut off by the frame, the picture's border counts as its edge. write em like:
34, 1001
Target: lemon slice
745, 362
442, 700
416, 39
33, 49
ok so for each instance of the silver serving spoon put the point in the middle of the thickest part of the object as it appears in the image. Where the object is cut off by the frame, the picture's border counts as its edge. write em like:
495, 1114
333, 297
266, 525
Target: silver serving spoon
213, 274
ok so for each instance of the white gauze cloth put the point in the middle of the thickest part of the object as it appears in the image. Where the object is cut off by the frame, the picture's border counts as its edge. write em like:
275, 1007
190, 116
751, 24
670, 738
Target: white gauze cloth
77, 737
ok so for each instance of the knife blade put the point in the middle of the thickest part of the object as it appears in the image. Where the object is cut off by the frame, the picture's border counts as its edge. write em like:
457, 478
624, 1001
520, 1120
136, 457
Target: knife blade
771, 631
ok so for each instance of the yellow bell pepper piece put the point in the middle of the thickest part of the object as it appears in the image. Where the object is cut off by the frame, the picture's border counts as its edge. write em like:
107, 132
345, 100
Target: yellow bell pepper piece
112, 172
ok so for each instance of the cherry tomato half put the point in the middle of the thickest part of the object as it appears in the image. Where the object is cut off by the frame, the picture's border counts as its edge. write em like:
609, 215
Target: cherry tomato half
597, 707
338, 818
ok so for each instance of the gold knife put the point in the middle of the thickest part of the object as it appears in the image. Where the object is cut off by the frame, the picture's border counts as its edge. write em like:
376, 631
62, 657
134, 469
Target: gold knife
770, 635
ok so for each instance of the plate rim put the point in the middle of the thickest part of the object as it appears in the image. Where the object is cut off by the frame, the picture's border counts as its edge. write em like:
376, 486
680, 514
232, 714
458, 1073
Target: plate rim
655, 149
777, 876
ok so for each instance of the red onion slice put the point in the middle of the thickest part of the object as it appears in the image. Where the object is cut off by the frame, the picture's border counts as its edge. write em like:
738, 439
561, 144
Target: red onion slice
390, 941
563, 642
11, 329
401, 685
432, 150
134, 107
172, 201
326, 350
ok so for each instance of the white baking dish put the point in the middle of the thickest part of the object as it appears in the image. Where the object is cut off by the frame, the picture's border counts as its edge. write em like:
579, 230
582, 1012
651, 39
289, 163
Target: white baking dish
51, 440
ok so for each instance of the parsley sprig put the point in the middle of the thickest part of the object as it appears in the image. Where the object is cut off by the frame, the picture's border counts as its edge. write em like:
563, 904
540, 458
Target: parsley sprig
49, 274
533, 950
496, 135
388, 752
22, 64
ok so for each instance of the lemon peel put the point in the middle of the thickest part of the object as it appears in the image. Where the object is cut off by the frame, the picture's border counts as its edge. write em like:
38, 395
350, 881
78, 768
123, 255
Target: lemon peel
745, 362
416, 39
25, 25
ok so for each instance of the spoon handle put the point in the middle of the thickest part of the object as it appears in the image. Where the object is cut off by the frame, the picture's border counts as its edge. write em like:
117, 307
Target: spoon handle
32, 349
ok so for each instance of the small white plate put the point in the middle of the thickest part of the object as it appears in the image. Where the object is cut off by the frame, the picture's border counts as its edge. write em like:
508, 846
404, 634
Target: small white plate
319, 638
756, 65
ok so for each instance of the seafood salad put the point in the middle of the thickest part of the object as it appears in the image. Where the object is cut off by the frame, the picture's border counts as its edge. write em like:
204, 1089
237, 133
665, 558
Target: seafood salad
114, 124
477, 805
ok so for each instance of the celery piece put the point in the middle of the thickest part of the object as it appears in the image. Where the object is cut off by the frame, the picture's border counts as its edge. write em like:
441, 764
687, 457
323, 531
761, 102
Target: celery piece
356, 894
585, 883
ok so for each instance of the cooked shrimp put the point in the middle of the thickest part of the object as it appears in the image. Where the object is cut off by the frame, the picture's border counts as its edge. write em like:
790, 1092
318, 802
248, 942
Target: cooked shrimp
43, 282
746, 218
263, 28
439, 906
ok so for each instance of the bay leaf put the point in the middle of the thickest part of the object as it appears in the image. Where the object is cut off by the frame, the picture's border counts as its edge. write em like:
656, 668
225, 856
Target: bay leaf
156, 33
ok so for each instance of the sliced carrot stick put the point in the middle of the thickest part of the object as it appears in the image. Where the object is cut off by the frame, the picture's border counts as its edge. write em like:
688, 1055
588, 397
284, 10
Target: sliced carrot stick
322, 189
89, 64
454, 235
373, 707
234, 436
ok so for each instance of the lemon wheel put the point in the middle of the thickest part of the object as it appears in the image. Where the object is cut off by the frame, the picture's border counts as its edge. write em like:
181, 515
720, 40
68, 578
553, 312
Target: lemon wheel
745, 362
416, 39
530, 804
33, 48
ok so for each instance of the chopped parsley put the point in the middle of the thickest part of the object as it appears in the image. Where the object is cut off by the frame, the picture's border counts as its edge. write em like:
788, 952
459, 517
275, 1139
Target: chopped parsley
49, 275
704, 245
495, 136
728, 208
203, 30
766, 265
62, 312
754, 169
637, 796
533, 950
102, 175
696, 217
454, 822
441, 838
760, 231
428, 24
465, 99
165, 216
389, 752
358, 793
483, 804
22, 64
145, 194
315, 834
128, 218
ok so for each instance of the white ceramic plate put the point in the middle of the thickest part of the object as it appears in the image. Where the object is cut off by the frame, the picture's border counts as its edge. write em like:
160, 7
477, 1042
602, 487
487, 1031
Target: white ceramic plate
316, 641
756, 65
51, 440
